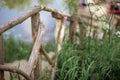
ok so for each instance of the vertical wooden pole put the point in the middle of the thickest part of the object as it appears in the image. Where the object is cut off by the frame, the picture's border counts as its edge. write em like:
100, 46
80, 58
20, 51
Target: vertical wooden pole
72, 31
34, 57
61, 36
74, 28
1, 57
35, 21
35, 25
57, 28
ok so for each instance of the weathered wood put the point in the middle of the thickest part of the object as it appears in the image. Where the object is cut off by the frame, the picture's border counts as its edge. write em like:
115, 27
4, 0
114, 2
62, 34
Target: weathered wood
60, 42
38, 68
57, 28
31, 12
14, 70
20, 19
34, 57
72, 32
1, 57
74, 28
35, 20
84, 18
62, 33
47, 57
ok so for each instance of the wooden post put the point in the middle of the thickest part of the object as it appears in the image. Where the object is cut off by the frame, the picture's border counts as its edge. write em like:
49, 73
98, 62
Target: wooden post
35, 21
74, 28
1, 57
15, 70
62, 33
34, 57
57, 28
72, 31
61, 37
35, 25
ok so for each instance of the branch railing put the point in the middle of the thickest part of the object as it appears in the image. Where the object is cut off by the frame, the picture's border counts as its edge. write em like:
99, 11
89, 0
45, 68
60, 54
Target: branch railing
38, 30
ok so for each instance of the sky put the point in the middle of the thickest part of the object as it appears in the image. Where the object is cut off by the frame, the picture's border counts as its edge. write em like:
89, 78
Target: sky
23, 30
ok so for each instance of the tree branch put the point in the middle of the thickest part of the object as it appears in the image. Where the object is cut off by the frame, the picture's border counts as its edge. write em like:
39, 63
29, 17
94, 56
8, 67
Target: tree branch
47, 57
14, 70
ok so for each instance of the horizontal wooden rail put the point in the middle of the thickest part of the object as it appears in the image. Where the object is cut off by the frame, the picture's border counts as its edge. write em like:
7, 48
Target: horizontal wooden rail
28, 14
34, 10
19, 20
14, 70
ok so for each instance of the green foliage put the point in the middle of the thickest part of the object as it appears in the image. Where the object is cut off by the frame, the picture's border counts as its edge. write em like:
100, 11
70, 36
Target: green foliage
16, 50
45, 2
19, 4
99, 60
72, 5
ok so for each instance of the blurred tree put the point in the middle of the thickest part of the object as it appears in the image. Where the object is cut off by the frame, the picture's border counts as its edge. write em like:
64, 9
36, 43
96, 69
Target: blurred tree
72, 5
19, 4
45, 2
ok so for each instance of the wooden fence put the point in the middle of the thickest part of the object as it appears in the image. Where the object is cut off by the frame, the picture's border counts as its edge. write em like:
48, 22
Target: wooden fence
38, 30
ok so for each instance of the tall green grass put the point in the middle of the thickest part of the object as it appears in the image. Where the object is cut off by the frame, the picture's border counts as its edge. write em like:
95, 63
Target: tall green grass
98, 60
